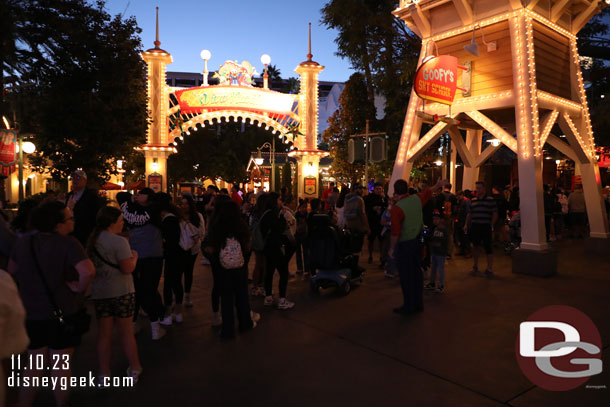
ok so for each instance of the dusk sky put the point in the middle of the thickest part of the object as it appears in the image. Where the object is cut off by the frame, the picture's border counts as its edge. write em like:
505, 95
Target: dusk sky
238, 29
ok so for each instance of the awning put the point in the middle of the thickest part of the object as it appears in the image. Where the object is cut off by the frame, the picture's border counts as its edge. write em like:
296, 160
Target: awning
109, 186
136, 186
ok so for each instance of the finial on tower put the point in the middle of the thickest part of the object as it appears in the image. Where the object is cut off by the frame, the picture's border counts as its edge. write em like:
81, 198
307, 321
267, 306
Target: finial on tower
309, 55
157, 42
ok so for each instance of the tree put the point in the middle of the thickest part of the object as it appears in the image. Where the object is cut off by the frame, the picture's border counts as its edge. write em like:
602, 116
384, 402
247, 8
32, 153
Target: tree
80, 84
349, 119
274, 74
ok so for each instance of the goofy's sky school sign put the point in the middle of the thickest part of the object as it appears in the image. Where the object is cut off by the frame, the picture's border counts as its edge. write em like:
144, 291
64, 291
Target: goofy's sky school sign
436, 79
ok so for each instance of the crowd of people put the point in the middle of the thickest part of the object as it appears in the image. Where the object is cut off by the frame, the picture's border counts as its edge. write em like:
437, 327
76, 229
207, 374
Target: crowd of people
115, 254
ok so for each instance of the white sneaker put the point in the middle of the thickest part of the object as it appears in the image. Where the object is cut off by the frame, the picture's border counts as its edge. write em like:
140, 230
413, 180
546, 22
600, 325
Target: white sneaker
157, 330
268, 301
216, 319
283, 303
255, 316
178, 318
167, 321
134, 374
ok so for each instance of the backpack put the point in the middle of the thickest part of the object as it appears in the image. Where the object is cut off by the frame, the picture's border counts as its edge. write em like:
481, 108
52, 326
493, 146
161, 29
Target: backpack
352, 209
231, 256
189, 234
258, 241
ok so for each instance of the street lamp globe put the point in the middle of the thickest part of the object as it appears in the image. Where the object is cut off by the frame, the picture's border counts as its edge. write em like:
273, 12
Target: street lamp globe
205, 55
28, 147
265, 59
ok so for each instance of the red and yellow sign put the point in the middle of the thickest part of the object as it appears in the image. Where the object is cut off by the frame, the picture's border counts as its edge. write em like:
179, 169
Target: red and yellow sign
195, 100
436, 79
8, 144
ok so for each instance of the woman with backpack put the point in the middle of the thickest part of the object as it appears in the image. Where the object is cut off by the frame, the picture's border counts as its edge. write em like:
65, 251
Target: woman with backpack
192, 232
112, 289
227, 246
273, 227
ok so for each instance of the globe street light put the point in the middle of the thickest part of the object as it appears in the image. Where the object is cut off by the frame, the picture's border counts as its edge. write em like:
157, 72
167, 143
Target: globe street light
259, 159
265, 59
205, 55
23, 147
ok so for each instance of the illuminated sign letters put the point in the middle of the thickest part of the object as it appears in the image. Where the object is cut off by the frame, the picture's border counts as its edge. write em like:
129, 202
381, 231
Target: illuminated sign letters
195, 100
436, 79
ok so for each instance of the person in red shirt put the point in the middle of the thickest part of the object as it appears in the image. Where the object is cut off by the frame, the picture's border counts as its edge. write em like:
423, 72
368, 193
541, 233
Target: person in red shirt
235, 195
326, 194
407, 225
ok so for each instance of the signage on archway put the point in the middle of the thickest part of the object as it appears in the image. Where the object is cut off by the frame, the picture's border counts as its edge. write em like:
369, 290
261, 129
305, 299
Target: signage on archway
195, 100
436, 79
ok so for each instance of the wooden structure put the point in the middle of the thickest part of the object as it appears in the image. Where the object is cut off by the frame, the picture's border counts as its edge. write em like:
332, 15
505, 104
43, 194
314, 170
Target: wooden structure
526, 79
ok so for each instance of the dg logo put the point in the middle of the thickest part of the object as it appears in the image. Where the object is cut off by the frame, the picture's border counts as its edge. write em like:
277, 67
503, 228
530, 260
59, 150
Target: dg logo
559, 348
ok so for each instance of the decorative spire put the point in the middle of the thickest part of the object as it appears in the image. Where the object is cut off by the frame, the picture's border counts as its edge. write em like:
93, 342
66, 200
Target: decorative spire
157, 42
309, 55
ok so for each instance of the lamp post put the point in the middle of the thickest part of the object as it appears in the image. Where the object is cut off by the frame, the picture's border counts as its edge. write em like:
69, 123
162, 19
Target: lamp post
24, 147
205, 55
265, 59
259, 161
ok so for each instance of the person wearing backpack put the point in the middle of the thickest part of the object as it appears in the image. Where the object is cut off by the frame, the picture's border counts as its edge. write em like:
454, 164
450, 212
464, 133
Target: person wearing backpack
192, 232
273, 227
227, 244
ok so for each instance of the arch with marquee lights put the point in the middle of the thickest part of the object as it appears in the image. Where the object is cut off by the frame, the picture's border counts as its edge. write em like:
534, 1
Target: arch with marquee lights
175, 112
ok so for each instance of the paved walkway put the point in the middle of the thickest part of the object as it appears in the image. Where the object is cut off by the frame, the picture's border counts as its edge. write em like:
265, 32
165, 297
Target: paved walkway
353, 351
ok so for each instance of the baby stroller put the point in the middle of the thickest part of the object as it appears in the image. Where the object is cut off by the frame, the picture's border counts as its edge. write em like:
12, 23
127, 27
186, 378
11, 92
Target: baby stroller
330, 255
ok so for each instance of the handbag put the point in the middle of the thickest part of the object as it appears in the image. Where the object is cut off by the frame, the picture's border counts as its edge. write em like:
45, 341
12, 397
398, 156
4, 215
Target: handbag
70, 325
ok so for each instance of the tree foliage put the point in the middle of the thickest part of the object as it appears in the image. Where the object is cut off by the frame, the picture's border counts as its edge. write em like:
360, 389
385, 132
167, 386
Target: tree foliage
78, 83
219, 151
349, 119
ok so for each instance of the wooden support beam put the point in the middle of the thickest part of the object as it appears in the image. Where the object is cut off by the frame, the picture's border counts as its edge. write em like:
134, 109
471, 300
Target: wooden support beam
492, 127
547, 126
515, 4
575, 140
426, 141
460, 146
559, 8
583, 18
562, 147
486, 154
421, 21
464, 10
532, 4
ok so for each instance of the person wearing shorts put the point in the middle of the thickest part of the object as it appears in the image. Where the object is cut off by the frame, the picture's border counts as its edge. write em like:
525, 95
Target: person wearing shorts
113, 290
50, 253
482, 215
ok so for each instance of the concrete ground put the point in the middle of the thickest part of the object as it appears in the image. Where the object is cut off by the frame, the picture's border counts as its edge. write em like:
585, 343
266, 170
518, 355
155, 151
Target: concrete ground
355, 351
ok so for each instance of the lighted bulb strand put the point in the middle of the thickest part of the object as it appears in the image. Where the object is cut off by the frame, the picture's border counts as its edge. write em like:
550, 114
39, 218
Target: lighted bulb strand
494, 129
583, 99
532, 83
523, 133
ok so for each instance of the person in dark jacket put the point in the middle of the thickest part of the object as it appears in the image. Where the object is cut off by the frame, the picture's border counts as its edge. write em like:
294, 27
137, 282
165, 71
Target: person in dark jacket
172, 255
84, 204
273, 226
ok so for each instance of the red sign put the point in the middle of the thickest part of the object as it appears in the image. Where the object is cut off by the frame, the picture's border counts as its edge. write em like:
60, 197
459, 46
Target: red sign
436, 79
604, 157
8, 143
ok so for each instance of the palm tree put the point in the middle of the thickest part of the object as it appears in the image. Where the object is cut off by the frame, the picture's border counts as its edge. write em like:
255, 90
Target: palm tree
274, 74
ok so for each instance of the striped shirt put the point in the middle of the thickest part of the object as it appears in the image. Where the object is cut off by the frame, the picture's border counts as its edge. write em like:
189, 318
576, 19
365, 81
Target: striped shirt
482, 210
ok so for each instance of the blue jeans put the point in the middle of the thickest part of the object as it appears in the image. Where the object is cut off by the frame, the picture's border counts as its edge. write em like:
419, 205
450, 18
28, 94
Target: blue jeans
408, 255
438, 263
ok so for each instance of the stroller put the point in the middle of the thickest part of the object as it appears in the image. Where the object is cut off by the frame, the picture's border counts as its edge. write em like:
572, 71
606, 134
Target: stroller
331, 256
